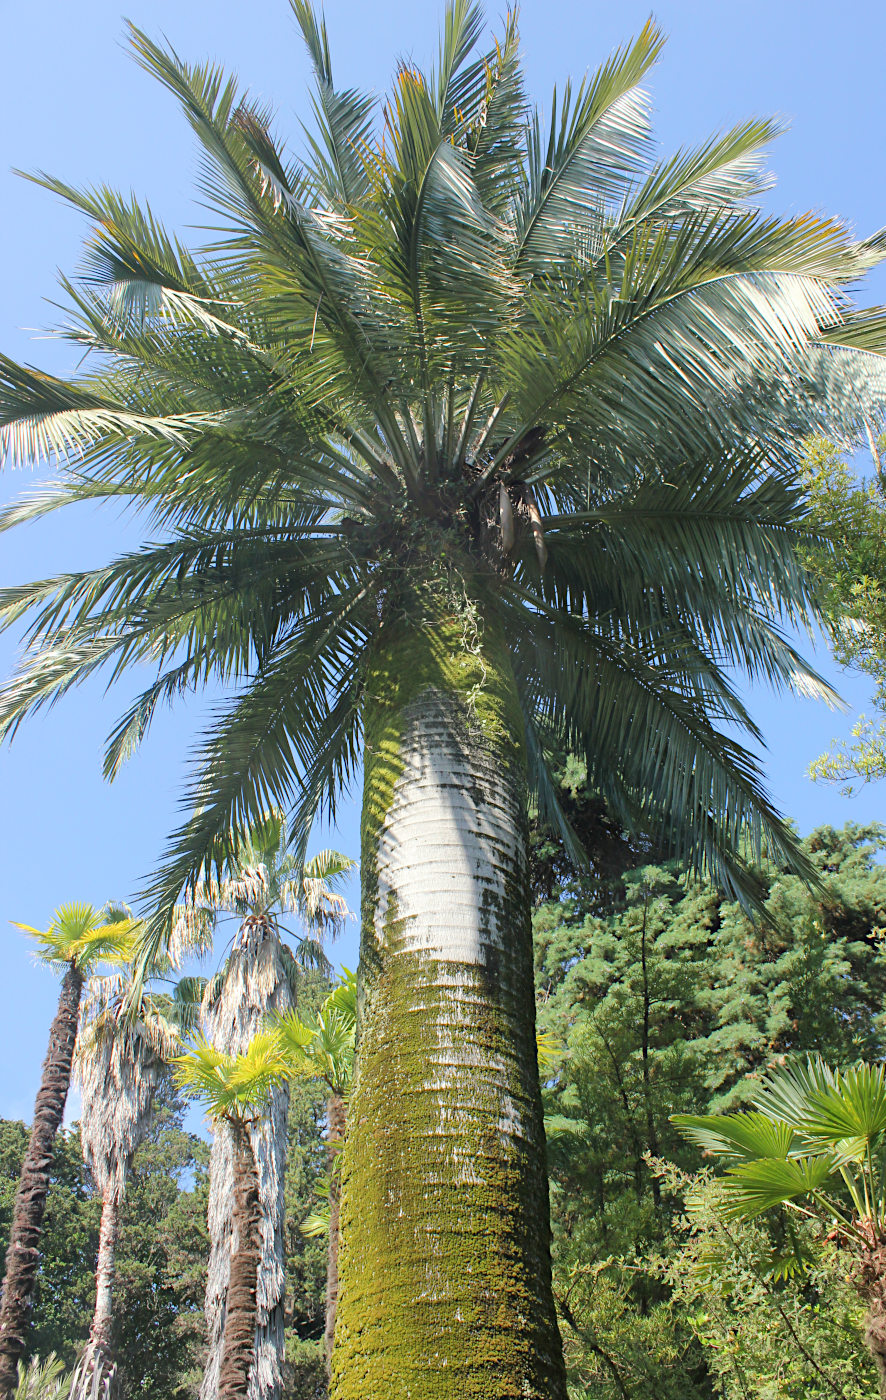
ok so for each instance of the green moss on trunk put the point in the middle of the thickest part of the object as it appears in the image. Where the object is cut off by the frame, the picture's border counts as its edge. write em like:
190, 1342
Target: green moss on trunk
445, 1263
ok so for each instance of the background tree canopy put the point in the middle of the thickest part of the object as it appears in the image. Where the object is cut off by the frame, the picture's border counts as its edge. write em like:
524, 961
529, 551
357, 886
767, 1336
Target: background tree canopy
671, 999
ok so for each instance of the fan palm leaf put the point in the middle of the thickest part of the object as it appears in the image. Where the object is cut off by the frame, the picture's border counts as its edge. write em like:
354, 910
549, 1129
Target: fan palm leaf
816, 1141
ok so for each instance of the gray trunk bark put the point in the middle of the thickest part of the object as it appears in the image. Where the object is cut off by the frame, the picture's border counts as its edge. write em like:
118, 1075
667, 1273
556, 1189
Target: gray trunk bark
103, 1318
255, 986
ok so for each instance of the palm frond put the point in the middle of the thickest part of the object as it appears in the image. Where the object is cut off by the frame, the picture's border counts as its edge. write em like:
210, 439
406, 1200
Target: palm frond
595, 148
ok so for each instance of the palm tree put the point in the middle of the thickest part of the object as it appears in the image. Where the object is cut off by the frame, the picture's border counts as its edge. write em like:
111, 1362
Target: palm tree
471, 436
815, 1142
77, 940
128, 1035
235, 1090
45, 1380
258, 884
322, 1047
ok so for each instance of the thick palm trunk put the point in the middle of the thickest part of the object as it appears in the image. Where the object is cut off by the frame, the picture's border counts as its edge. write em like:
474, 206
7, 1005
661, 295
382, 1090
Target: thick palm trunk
335, 1119
240, 1317
23, 1254
255, 986
102, 1321
445, 1251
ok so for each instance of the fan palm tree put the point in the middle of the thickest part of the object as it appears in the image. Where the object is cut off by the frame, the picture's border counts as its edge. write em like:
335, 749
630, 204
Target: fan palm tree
322, 1047
236, 1090
258, 885
815, 1142
128, 1035
46, 1380
78, 939
472, 434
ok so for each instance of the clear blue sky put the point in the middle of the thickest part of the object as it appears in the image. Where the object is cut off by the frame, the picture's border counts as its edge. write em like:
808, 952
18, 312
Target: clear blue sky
73, 103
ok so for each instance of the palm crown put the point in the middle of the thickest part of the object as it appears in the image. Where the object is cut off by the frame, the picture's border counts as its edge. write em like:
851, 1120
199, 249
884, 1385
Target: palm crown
234, 1087
455, 353
84, 937
322, 1046
259, 880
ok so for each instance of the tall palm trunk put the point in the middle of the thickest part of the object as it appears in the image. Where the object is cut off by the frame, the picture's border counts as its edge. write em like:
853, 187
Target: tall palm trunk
119, 1074
254, 986
240, 1320
445, 1255
335, 1122
23, 1253
103, 1317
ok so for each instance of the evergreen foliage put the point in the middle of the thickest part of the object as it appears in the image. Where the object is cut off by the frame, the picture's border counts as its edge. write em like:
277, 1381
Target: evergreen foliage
651, 1301
852, 585
676, 1003
160, 1260
162, 1253
764, 1330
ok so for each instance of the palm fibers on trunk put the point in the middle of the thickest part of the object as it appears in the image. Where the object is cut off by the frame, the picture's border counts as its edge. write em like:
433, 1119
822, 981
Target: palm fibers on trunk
23, 1254
335, 1124
246, 1250
870, 1279
118, 1073
445, 1251
255, 985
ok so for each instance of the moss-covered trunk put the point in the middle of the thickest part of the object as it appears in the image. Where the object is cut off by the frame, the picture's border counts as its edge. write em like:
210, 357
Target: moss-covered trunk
336, 1123
445, 1253
23, 1254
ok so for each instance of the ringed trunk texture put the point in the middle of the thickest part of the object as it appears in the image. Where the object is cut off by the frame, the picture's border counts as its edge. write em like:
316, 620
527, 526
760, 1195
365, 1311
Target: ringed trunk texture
239, 1338
445, 1246
255, 986
335, 1118
103, 1318
23, 1254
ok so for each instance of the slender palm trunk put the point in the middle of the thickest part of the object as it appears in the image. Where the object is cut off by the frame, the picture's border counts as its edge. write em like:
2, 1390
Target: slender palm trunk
335, 1121
103, 1317
255, 985
240, 1318
445, 1252
23, 1254
119, 1074
870, 1280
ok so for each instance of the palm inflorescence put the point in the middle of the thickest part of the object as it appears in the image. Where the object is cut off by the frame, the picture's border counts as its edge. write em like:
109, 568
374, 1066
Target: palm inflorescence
456, 350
